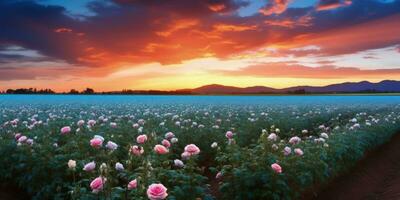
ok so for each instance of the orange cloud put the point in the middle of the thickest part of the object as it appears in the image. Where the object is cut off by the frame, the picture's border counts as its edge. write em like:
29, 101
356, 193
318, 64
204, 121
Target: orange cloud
217, 7
191, 39
178, 25
290, 70
289, 23
63, 30
332, 4
374, 34
275, 7
152, 47
234, 28
329, 6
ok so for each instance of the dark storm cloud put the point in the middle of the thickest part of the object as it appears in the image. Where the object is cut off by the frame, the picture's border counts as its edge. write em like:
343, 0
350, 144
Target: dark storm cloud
27, 24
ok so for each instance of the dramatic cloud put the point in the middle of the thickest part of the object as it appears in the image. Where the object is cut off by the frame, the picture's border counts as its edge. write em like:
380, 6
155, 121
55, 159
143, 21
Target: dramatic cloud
332, 4
32, 73
121, 33
63, 30
33, 26
138, 31
275, 7
290, 23
374, 34
290, 70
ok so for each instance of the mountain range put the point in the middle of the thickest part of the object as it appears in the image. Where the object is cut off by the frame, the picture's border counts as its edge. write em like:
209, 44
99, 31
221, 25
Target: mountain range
347, 87
386, 86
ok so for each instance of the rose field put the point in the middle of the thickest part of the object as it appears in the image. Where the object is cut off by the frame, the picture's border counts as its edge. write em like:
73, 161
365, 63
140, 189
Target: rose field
186, 147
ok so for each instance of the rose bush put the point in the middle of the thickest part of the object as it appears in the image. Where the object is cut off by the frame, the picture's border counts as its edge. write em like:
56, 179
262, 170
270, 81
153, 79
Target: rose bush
127, 151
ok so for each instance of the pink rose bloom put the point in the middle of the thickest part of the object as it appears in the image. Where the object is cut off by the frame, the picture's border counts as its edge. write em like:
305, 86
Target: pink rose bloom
29, 141
80, 123
294, 140
119, 166
96, 142
160, 149
185, 155
192, 149
91, 122
14, 122
166, 143
22, 139
141, 121
136, 150
169, 135
219, 175
132, 184
298, 152
287, 151
277, 168
90, 166
111, 145
272, 137
157, 192
65, 130
178, 163
97, 184
141, 139
229, 135
17, 136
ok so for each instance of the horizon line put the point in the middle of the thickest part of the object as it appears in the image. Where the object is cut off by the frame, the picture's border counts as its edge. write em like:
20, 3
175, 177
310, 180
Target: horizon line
188, 89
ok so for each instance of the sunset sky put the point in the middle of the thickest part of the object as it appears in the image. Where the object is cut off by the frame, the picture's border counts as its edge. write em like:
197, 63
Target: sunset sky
173, 44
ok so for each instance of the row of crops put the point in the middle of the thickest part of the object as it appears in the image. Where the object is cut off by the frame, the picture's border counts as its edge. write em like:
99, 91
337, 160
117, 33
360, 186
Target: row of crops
134, 151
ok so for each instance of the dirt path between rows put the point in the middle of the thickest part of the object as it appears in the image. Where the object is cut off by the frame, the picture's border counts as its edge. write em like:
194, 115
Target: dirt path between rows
377, 176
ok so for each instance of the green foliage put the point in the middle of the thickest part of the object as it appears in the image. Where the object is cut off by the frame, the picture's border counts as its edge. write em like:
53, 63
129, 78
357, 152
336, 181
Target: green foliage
244, 161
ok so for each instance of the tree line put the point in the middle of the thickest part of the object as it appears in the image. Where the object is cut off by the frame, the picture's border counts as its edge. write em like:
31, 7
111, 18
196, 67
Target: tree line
161, 92
89, 91
45, 91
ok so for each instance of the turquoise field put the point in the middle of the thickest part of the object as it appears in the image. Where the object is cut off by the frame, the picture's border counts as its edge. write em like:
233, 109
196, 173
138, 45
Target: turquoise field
186, 147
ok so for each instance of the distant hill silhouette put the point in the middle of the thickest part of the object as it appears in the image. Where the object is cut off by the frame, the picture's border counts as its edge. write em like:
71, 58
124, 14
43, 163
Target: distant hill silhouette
386, 86
221, 89
348, 87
